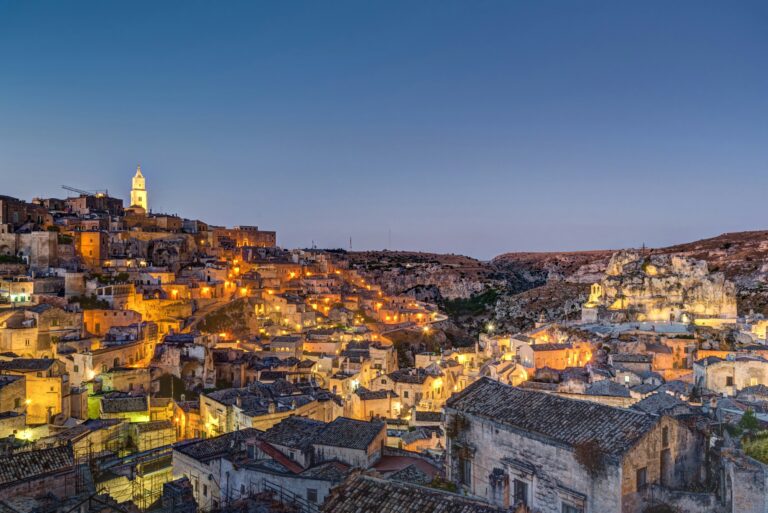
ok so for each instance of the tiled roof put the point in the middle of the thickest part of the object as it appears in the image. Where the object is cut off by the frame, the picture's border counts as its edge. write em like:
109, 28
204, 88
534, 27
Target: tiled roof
428, 416
367, 494
27, 364
551, 347
124, 404
294, 432
413, 376
659, 403
349, 433
760, 390
709, 360
329, 471
631, 358
369, 395
30, 464
157, 425
607, 387
564, 421
411, 474
203, 450
644, 388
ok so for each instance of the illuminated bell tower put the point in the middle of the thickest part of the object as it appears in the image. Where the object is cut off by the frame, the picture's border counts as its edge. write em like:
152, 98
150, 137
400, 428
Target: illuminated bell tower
139, 191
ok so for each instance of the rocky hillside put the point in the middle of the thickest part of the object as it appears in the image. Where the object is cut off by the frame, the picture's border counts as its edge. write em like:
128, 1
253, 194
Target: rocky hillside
514, 289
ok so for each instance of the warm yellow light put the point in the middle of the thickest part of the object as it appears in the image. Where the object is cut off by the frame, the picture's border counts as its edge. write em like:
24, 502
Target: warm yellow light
24, 434
28, 401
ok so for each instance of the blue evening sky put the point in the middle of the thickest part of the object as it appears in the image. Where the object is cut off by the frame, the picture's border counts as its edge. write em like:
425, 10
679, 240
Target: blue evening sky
473, 127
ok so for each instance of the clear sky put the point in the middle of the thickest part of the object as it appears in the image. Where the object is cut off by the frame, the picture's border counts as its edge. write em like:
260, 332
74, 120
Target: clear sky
473, 127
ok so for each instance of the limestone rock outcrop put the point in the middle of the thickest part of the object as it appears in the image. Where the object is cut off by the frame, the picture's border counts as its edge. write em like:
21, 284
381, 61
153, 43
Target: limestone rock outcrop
663, 288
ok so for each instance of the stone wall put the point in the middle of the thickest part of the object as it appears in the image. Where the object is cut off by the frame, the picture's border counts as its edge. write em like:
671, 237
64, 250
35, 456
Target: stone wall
552, 473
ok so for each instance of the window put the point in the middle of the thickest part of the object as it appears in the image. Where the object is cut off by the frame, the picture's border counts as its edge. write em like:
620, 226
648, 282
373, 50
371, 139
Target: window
242, 489
570, 508
521, 492
664, 436
205, 490
312, 494
641, 477
465, 471
752, 382
405, 394
77, 368
729, 381
16, 402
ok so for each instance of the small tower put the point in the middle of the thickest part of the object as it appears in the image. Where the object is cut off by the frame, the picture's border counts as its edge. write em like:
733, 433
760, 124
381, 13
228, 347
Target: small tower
139, 191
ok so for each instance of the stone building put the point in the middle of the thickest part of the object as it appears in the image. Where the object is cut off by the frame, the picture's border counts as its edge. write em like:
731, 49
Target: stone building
243, 236
47, 387
729, 375
95, 204
510, 446
92, 247
38, 249
15, 213
262, 405
13, 393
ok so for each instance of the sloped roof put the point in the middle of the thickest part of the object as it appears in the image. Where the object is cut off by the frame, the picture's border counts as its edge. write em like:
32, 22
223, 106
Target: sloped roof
27, 364
564, 421
349, 433
373, 495
203, 450
659, 403
30, 464
294, 432
124, 404
607, 387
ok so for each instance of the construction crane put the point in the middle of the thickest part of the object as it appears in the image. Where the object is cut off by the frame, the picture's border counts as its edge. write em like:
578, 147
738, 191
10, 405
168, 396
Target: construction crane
86, 193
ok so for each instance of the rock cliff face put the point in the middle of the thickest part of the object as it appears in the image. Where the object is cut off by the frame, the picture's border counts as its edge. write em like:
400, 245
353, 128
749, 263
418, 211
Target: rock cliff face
665, 287
437, 277
513, 290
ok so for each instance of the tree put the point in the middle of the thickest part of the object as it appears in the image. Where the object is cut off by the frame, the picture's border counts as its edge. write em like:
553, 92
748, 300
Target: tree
749, 421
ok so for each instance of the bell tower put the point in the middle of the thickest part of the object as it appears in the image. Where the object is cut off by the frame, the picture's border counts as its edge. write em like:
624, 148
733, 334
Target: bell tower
139, 191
